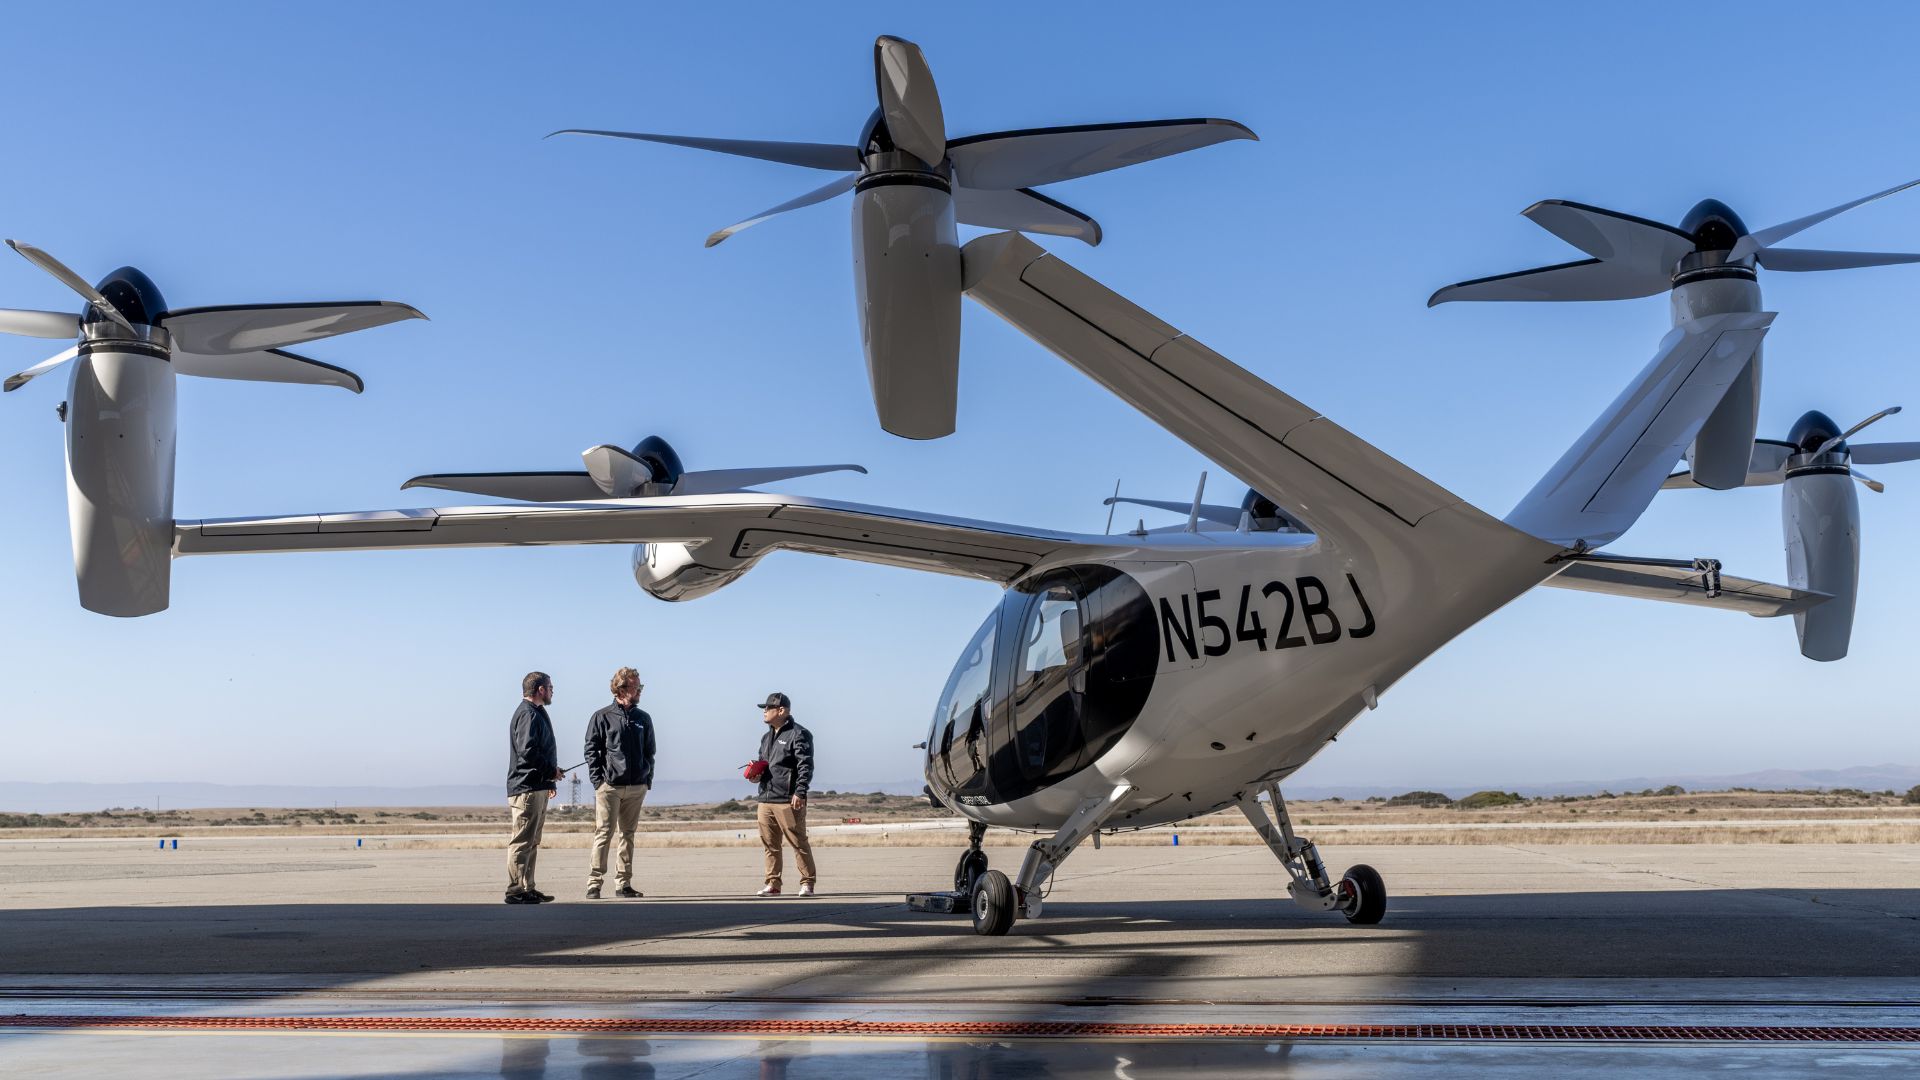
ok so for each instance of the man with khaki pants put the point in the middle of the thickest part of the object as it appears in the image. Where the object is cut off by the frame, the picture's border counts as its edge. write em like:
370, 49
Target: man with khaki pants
786, 775
533, 768
620, 764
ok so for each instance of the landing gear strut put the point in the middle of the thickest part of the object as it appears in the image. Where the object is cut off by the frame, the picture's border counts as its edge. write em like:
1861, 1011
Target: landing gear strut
1360, 895
973, 863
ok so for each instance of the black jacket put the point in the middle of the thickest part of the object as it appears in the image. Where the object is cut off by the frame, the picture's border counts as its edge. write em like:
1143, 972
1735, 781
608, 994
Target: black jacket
788, 753
532, 757
620, 746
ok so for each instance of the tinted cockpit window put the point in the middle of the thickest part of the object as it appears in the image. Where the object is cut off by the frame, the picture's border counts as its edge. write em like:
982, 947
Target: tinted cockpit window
959, 735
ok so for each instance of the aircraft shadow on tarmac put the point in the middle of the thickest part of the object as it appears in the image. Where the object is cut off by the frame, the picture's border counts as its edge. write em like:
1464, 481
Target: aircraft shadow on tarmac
872, 940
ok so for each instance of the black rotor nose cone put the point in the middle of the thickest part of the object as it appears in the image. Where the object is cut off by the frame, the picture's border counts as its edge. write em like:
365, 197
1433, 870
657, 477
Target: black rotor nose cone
1713, 225
134, 294
875, 138
661, 458
1813, 429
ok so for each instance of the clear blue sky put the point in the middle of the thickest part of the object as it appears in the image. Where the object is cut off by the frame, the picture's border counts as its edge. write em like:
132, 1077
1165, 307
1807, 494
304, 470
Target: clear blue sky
251, 153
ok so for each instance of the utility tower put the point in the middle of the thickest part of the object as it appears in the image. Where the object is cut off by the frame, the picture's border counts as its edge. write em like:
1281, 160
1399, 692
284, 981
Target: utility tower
573, 791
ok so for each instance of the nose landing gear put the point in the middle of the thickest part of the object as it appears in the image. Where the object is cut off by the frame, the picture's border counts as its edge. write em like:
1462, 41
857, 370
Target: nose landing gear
973, 863
1360, 895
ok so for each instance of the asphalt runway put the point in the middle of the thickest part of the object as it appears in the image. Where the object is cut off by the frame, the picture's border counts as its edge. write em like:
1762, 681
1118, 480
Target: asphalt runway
308, 957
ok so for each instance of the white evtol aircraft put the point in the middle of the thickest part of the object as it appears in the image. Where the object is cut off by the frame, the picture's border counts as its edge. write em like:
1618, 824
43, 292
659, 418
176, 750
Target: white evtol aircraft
1123, 681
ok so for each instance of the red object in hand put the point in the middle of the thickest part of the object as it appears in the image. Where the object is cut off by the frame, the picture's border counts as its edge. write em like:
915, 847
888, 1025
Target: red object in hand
754, 770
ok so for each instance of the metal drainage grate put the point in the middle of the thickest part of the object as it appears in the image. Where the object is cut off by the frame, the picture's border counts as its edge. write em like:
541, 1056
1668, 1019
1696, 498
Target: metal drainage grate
1036, 1029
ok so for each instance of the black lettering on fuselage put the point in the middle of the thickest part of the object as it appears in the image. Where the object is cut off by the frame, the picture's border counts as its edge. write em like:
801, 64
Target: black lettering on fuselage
1180, 627
1314, 606
1212, 622
1362, 631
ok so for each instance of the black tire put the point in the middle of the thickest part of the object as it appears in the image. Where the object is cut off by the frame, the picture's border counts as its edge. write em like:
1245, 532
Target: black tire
1370, 895
992, 904
971, 866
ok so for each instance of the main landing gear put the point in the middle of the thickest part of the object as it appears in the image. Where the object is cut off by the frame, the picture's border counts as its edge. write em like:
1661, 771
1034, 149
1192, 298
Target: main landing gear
990, 897
1360, 895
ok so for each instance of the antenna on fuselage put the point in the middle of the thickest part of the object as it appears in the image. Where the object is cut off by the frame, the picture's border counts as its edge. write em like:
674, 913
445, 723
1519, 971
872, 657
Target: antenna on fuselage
1111, 503
1193, 517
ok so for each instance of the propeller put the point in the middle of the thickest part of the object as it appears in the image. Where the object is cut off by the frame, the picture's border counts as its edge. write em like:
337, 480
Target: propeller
1816, 441
240, 341
912, 187
996, 170
1632, 256
651, 468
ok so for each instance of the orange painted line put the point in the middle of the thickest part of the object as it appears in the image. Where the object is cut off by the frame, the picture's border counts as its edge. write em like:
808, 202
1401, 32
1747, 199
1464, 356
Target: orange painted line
983, 1029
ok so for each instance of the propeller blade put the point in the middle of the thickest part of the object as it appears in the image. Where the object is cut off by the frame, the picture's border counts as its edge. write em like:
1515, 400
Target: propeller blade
615, 471
1224, 515
1873, 485
15, 382
266, 365
1802, 259
819, 194
716, 481
1766, 238
246, 328
1022, 210
520, 487
1609, 235
1885, 453
1845, 435
909, 101
1034, 156
1589, 279
43, 324
70, 279
806, 155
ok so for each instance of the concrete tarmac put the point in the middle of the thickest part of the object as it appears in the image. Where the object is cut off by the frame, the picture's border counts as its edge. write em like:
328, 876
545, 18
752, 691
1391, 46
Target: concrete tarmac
1544, 937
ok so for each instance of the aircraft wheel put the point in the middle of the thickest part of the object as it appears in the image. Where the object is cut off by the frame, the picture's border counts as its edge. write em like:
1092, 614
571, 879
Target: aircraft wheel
992, 904
971, 866
1369, 893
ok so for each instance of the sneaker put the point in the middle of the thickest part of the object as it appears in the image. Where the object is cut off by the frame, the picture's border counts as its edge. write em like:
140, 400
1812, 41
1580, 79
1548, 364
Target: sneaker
520, 898
769, 890
805, 890
628, 892
593, 891
540, 897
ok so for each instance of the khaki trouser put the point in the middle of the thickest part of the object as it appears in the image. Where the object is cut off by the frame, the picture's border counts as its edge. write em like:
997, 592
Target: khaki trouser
615, 808
523, 843
780, 821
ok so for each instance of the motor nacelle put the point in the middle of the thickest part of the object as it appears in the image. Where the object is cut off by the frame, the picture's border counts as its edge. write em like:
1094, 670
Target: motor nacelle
1820, 519
120, 452
686, 571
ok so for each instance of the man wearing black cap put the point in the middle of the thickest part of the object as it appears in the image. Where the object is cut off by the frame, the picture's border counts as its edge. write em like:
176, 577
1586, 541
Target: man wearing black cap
787, 750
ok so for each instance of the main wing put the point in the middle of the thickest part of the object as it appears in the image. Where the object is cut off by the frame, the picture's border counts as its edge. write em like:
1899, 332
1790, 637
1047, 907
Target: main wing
745, 526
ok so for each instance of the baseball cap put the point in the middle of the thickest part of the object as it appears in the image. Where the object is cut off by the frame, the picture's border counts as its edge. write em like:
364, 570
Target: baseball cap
775, 700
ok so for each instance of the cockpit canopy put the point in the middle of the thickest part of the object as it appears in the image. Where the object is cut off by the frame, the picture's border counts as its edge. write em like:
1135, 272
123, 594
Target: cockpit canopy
1050, 682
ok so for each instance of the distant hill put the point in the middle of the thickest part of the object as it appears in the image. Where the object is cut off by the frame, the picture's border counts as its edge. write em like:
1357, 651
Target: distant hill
1864, 777
33, 797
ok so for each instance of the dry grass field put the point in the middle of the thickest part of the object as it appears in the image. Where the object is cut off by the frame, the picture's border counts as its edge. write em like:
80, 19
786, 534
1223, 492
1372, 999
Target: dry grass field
866, 820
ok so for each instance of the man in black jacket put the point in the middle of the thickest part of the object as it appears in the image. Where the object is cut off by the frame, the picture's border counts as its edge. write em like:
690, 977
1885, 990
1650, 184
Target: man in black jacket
620, 764
787, 749
533, 768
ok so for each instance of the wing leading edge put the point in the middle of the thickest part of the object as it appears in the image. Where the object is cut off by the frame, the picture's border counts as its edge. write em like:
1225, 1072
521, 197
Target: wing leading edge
745, 526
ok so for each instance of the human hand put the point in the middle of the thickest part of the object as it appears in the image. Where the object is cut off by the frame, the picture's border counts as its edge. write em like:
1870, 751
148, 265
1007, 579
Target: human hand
799, 802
